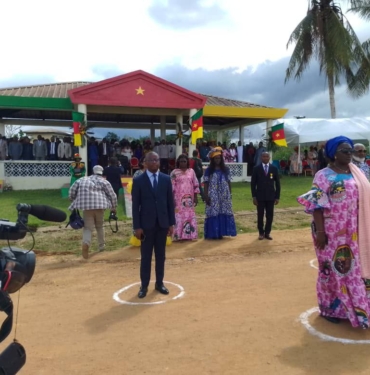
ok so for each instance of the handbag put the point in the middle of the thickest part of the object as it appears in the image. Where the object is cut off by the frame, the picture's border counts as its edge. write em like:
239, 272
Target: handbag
75, 220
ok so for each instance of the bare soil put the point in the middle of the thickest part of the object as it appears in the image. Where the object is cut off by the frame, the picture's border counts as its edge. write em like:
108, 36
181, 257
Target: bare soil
239, 314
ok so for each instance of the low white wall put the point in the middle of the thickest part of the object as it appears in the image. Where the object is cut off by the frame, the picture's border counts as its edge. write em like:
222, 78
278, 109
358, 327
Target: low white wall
37, 183
238, 171
35, 175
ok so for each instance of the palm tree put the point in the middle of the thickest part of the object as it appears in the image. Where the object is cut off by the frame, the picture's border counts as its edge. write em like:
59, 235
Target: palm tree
361, 7
325, 34
360, 82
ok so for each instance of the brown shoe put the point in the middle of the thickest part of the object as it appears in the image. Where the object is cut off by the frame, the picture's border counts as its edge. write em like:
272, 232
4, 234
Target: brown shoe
85, 251
261, 237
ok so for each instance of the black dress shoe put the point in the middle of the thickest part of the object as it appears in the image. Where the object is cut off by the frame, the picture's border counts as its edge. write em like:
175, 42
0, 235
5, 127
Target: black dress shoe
268, 237
161, 289
142, 292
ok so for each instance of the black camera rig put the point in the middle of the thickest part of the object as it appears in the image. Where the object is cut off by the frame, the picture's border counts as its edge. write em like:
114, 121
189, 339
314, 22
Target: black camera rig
16, 269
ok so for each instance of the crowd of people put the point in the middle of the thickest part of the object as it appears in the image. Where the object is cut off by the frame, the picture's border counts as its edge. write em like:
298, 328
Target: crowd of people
164, 201
40, 148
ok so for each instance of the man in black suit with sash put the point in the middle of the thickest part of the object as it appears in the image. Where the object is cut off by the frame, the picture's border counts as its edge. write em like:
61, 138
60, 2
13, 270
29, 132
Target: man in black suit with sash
265, 188
153, 215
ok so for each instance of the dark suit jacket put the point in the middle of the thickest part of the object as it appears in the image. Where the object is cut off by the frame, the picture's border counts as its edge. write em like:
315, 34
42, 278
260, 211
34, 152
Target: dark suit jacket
265, 188
113, 175
148, 206
56, 148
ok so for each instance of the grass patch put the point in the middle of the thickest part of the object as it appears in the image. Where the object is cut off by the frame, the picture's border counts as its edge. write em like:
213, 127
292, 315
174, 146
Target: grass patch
53, 198
291, 188
55, 238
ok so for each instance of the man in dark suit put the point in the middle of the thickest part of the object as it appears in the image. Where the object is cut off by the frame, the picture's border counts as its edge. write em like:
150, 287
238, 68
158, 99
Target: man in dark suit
265, 188
52, 149
153, 215
103, 150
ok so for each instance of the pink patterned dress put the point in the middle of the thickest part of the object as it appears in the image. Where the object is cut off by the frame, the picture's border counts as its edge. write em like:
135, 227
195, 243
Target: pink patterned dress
185, 185
341, 292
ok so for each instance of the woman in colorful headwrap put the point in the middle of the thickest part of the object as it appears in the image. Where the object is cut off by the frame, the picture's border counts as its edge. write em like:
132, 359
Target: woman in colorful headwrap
77, 169
219, 220
185, 189
339, 202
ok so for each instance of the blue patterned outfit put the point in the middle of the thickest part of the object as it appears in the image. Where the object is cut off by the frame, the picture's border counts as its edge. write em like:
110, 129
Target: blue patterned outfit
219, 214
364, 168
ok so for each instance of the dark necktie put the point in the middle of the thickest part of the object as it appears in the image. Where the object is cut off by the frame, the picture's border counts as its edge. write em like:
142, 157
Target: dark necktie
266, 169
155, 182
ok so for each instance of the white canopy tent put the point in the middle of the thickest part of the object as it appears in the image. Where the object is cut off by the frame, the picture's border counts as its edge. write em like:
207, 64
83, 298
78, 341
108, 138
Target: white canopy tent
311, 131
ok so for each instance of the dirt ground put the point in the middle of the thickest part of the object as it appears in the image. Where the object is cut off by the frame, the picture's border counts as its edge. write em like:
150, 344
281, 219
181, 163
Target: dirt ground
239, 315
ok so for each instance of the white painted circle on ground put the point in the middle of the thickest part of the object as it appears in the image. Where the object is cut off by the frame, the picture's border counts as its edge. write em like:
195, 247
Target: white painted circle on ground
313, 265
116, 295
304, 320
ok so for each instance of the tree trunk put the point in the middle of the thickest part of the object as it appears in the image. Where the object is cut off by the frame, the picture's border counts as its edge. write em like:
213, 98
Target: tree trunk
332, 96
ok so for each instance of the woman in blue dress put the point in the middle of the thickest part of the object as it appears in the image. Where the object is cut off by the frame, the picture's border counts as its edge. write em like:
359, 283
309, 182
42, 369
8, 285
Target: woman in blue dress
219, 220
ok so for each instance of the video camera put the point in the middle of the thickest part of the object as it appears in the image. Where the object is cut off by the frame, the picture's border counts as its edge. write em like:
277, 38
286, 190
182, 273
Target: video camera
16, 269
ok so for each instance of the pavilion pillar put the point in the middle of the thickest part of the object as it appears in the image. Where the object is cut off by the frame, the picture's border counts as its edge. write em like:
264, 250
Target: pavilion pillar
82, 108
163, 127
179, 120
152, 135
192, 147
241, 134
268, 128
219, 137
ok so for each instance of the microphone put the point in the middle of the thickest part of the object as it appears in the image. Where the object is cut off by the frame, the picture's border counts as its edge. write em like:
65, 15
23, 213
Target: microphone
43, 212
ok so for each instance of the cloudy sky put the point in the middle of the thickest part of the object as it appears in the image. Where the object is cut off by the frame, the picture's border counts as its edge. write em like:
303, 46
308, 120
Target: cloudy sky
231, 48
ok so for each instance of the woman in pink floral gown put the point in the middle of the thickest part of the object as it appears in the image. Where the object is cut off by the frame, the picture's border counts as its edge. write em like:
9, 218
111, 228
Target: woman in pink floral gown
333, 200
185, 189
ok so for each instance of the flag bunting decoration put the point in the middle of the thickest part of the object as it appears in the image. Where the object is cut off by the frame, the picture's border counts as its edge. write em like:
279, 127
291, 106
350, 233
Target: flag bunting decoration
78, 119
197, 126
278, 135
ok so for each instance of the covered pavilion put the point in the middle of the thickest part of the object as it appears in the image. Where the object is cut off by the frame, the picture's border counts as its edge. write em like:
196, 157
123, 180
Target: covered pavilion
136, 100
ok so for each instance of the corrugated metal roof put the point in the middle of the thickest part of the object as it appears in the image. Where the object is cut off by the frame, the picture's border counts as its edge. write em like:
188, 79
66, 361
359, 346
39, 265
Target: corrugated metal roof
60, 90
52, 90
217, 101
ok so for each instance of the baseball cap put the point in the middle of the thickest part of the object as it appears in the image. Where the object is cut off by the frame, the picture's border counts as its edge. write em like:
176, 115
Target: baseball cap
98, 169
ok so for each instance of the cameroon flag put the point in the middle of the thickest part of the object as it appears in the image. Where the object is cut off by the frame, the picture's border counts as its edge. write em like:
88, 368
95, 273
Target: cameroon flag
77, 119
278, 135
197, 126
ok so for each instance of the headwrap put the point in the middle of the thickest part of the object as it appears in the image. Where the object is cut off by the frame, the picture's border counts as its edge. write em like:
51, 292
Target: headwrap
215, 152
76, 156
332, 145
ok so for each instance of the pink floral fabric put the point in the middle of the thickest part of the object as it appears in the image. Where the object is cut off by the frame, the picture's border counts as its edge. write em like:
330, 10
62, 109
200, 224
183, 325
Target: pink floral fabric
185, 185
341, 292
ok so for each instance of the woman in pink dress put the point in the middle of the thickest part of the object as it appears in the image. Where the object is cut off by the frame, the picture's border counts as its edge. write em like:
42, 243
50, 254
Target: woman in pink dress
335, 201
185, 189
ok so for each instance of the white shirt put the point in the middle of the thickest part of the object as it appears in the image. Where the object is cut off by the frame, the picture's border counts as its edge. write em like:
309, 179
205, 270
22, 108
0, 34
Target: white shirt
163, 151
240, 154
172, 152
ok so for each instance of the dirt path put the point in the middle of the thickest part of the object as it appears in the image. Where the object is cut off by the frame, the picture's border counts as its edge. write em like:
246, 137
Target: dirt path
239, 314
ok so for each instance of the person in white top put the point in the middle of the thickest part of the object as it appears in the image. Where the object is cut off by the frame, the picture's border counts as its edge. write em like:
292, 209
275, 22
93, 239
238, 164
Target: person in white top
3, 148
126, 151
163, 152
65, 150
240, 150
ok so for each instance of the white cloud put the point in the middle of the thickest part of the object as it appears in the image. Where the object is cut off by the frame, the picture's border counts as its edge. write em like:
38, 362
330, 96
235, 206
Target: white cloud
66, 39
